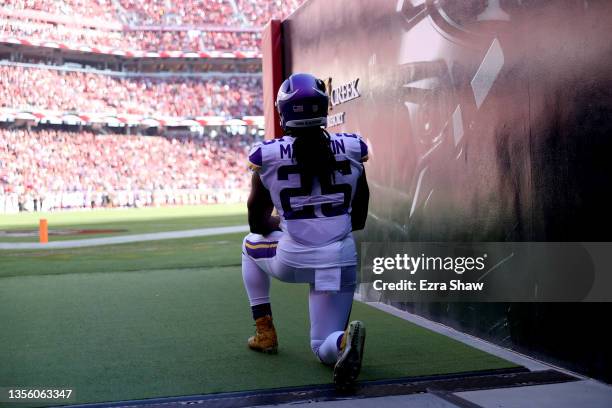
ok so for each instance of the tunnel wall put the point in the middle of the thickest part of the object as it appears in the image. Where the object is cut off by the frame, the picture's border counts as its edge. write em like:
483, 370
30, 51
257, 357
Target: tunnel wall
486, 121
272, 70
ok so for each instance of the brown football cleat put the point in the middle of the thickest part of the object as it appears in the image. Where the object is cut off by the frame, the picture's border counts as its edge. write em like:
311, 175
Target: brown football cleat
265, 339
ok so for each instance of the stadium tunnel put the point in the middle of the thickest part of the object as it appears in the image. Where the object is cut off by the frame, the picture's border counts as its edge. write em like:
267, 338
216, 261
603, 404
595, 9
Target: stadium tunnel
487, 122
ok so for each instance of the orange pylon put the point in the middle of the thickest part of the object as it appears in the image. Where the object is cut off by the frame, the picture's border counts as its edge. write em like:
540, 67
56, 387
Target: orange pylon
43, 231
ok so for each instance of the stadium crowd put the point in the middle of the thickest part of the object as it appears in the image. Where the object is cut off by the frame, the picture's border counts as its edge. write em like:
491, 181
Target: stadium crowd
78, 8
42, 88
191, 40
138, 39
139, 17
60, 169
257, 12
229, 13
187, 12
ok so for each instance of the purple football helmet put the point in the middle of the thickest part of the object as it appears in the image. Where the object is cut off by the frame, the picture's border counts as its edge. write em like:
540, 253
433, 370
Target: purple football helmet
302, 102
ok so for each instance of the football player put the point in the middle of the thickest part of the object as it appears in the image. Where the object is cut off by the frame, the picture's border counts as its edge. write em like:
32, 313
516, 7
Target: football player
317, 183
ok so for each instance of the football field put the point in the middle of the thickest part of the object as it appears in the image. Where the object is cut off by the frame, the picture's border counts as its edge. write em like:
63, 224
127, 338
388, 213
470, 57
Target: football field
113, 222
171, 318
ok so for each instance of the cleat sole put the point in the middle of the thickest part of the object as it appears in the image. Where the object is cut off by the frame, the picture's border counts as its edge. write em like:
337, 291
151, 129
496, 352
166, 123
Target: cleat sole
348, 367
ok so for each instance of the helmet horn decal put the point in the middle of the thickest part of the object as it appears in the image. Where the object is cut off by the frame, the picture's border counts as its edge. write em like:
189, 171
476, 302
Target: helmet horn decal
286, 96
320, 92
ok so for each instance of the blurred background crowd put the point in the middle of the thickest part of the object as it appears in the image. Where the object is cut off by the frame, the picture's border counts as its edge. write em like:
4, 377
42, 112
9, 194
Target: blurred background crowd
44, 88
50, 169
65, 165
152, 25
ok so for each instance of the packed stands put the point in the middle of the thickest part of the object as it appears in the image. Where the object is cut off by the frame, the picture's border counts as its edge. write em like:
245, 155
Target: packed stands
150, 25
100, 9
257, 12
43, 88
144, 40
253, 13
187, 12
191, 40
59, 169
40, 30
101, 105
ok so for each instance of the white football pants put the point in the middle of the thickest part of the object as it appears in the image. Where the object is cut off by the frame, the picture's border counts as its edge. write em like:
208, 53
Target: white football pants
329, 310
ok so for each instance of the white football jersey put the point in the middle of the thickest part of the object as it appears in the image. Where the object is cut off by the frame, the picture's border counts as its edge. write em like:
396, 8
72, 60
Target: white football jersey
315, 216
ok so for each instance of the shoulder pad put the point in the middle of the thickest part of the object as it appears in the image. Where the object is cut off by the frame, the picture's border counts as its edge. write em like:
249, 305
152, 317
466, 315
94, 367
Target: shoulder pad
255, 160
359, 148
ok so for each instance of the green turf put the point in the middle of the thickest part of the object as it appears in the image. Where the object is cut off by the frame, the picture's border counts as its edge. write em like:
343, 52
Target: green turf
183, 253
132, 221
170, 317
114, 331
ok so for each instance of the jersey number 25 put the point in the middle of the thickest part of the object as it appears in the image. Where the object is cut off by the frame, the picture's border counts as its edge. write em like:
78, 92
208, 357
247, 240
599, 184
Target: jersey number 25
305, 189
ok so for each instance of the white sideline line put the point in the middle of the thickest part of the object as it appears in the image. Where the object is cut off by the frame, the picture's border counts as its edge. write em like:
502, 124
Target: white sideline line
124, 239
510, 355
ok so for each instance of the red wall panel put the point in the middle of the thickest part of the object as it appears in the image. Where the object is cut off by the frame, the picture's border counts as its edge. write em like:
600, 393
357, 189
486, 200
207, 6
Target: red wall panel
271, 44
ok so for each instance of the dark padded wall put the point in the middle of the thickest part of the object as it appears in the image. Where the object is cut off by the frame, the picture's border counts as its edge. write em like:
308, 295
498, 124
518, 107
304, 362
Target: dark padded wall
487, 121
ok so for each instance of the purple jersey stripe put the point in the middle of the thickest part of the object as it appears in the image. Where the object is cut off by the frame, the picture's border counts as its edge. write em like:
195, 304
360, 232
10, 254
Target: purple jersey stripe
256, 158
261, 252
261, 242
364, 148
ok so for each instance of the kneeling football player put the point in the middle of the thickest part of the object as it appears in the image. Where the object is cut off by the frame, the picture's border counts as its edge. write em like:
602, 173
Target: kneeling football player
317, 183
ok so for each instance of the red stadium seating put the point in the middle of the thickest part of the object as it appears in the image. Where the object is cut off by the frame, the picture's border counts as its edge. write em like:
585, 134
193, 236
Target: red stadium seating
42, 88
149, 25
75, 169
72, 131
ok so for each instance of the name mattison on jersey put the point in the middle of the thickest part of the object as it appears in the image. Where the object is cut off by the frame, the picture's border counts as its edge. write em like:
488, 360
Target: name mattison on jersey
337, 147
